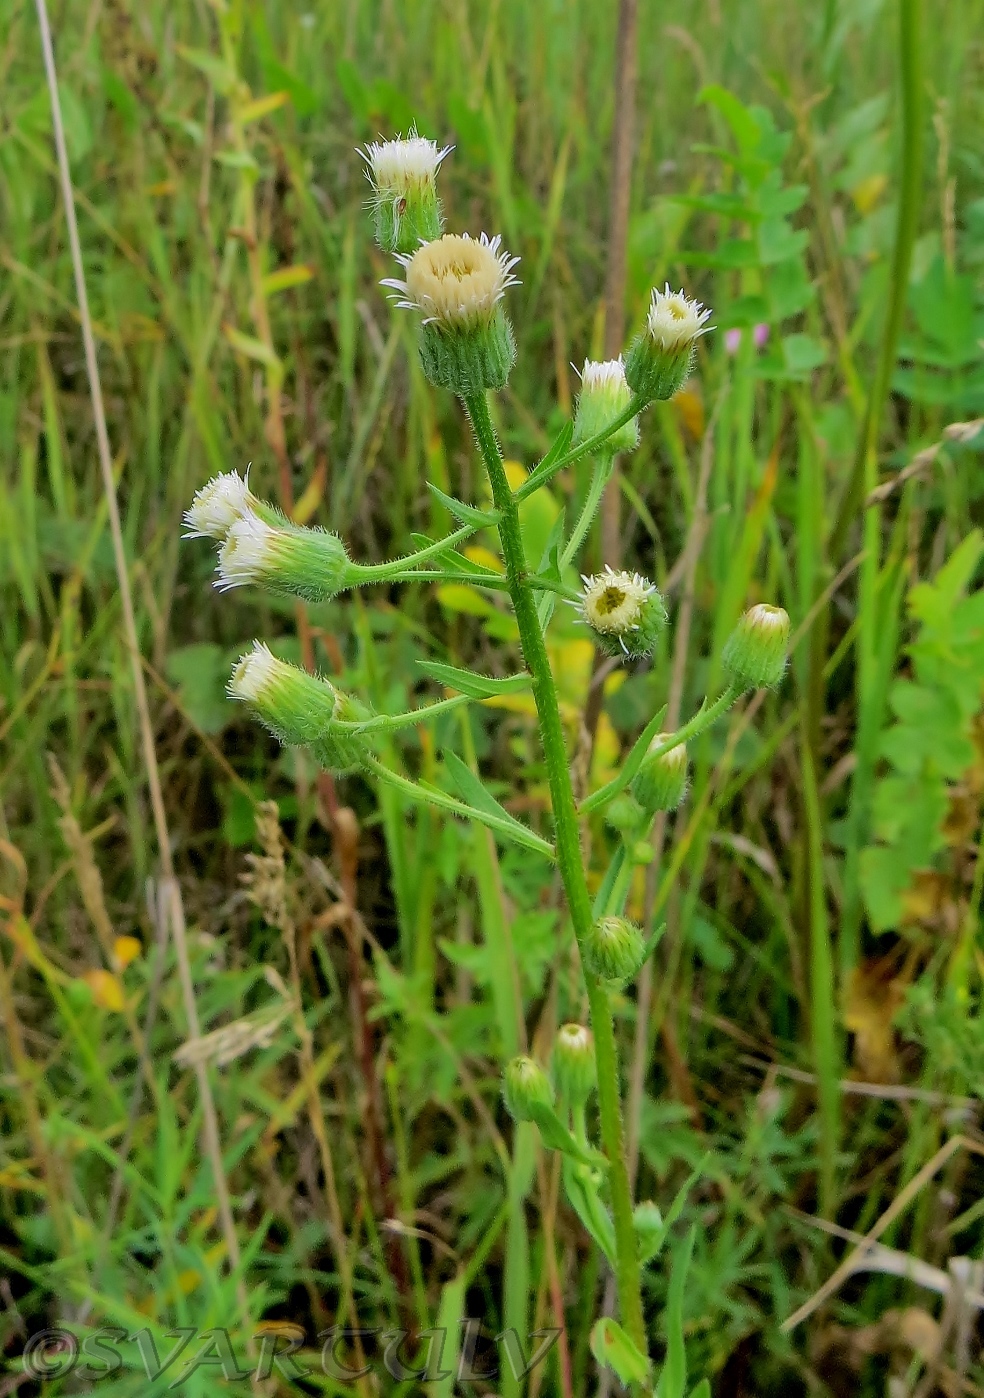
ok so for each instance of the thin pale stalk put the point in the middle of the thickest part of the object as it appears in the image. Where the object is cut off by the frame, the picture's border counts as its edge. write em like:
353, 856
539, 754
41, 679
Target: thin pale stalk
172, 896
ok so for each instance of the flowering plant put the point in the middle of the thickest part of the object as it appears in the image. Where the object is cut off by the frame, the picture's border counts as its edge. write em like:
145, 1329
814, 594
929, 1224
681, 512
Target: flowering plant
456, 285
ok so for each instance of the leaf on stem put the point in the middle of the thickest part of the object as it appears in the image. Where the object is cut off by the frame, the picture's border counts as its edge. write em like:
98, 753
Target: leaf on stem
467, 682
611, 1346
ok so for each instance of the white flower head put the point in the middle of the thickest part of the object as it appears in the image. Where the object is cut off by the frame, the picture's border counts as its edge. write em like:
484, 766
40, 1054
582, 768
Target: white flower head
674, 321
218, 505
624, 610
455, 281
613, 603
249, 552
605, 395
254, 674
403, 166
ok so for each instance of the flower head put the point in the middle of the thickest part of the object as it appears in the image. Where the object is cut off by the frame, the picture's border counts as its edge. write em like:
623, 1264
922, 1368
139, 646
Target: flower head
615, 949
674, 322
456, 281
403, 175
398, 167
573, 1063
217, 506
605, 396
755, 653
284, 557
661, 781
624, 610
660, 358
525, 1087
298, 708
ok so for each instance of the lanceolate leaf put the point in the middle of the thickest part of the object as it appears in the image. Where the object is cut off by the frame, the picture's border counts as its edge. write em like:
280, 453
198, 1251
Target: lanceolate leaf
467, 682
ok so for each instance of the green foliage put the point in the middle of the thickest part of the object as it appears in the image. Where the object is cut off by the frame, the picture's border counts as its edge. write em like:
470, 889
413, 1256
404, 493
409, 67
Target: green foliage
930, 745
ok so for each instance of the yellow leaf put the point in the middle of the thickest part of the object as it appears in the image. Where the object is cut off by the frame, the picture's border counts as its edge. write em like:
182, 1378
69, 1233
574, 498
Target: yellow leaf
161, 188
311, 496
477, 554
867, 194
516, 473
106, 989
462, 597
125, 950
571, 662
871, 1001
251, 347
607, 749
689, 407
262, 106
286, 277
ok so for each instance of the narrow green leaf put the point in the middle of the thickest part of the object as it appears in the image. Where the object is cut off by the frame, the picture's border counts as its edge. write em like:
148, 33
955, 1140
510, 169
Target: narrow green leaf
582, 1192
468, 514
467, 682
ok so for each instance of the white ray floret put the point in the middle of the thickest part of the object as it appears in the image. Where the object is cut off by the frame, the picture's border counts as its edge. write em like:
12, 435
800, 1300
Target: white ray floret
674, 321
409, 163
456, 280
248, 554
254, 674
218, 505
604, 376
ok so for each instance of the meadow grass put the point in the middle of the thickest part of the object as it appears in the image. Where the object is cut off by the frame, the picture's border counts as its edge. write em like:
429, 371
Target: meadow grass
370, 986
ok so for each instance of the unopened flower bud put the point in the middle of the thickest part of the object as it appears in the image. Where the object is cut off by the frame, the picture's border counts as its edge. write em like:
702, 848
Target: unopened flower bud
660, 358
525, 1085
661, 781
605, 396
284, 557
403, 175
754, 655
614, 949
457, 284
625, 612
650, 1228
573, 1064
299, 709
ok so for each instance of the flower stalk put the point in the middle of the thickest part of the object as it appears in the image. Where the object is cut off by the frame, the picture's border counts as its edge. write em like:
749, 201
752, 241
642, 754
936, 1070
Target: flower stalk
570, 862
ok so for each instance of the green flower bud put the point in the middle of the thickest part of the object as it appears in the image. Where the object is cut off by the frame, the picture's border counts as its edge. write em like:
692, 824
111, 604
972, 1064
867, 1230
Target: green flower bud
661, 357
754, 656
525, 1085
625, 612
300, 709
649, 1228
457, 283
284, 557
604, 396
403, 175
573, 1064
661, 781
615, 949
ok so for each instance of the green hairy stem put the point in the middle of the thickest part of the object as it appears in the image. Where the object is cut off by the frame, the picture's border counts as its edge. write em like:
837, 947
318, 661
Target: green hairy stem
570, 862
